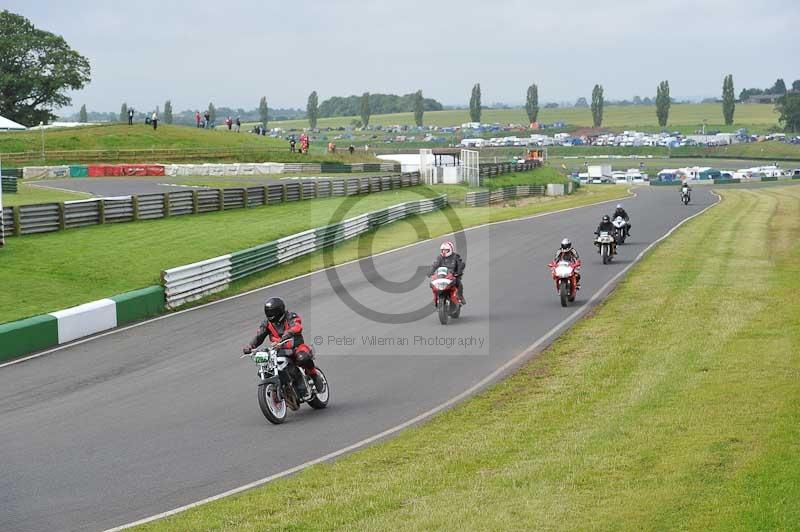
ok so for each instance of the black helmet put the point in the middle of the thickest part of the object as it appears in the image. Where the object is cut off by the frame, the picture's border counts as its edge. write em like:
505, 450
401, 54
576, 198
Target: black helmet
606, 218
275, 309
566, 244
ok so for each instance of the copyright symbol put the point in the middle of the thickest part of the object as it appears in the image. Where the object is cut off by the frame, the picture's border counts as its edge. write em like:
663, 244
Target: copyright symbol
318, 340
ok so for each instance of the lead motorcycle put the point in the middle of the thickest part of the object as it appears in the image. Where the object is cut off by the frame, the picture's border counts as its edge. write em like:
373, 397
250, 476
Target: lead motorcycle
621, 225
445, 294
276, 389
685, 196
565, 276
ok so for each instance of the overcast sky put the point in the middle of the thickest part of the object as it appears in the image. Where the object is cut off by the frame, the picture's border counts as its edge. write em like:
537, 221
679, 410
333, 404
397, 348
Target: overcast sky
233, 52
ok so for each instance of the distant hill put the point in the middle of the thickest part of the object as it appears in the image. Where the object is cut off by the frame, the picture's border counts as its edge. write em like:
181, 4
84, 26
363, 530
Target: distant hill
379, 104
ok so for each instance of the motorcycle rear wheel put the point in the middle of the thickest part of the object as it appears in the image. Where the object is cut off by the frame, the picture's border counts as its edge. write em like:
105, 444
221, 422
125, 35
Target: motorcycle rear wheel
319, 401
275, 412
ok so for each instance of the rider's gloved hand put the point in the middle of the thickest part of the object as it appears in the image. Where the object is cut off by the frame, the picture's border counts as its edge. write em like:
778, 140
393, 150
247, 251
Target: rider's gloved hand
286, 336
247, 350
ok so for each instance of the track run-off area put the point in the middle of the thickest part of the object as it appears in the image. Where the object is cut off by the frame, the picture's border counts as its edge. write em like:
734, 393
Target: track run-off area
156, 416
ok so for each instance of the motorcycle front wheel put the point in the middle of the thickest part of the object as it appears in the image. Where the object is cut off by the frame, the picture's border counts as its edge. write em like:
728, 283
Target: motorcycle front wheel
442, 309
606, 252
272, 405
562, 292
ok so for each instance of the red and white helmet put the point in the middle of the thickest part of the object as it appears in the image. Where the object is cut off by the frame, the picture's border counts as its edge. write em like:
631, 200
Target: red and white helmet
447, 248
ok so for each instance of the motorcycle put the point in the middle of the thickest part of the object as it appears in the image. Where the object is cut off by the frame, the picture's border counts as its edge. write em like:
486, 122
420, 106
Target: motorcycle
276, 389
565, 276
621, 225
606, 246
445, 295
685, 196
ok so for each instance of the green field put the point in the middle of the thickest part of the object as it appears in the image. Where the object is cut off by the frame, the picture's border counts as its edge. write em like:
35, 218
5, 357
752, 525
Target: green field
140, 137
28, 194
641, 117
67, 268
674, 406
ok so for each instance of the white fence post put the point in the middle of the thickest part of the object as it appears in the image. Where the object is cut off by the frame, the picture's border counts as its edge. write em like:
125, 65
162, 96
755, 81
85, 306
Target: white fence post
426, 167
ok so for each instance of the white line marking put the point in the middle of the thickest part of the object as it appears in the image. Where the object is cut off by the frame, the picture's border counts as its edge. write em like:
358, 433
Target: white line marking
60, 189
267, 287
527, 353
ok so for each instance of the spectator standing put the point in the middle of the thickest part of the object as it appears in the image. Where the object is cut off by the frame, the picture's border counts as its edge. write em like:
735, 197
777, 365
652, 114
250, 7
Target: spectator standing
229, 123
207, 116
351, 149
292, 145
130, 117
154, 120
238, 125
197, 118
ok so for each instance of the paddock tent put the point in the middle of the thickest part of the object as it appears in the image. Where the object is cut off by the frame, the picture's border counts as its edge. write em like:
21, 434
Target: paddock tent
10, 125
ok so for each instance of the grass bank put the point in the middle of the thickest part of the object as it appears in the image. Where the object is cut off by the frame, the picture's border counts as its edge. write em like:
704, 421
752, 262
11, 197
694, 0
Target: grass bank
642, 117
682, 414
52, 271
28, 194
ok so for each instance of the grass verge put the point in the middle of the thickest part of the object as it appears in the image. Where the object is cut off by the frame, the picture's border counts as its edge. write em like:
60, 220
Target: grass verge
681, 415
27, 194
59, 270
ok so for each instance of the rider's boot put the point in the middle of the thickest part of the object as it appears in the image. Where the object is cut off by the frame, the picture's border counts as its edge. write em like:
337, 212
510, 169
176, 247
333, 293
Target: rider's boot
461, 294
319, 384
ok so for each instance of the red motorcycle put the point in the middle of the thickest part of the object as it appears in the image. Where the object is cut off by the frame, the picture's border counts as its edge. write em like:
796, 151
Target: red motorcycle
445, 295
565, 276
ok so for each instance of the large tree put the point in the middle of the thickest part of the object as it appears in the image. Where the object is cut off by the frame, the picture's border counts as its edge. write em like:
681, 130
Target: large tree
83, 116
365, 112
312, 109
419, 108
788, 107
597, 106
662, 103
263, 111
778, 88
168, 112
728, 99
532, 103
796, 85
475, 103
37, 68
123, 112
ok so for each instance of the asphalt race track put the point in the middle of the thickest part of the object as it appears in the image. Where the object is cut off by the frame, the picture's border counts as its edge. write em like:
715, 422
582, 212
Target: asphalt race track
160, 415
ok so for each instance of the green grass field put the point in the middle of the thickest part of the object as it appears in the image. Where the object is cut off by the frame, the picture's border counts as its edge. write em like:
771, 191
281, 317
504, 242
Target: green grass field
673, 406
641, 117
28, 194
141, 137
136, 137
67, 268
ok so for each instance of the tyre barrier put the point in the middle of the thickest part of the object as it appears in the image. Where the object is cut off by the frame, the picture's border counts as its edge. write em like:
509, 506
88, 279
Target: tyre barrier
21, 337
48, 217
9, 184
195, 281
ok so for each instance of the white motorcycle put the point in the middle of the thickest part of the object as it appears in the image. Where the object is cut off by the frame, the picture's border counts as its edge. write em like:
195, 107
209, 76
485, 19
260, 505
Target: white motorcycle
607, 246
685, 196
621, 225
275, 386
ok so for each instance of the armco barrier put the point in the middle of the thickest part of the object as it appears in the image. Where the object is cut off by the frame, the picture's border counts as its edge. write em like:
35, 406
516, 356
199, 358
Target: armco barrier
194, 281
726, 181
9, 184
47, 217
40, 332
500, 195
